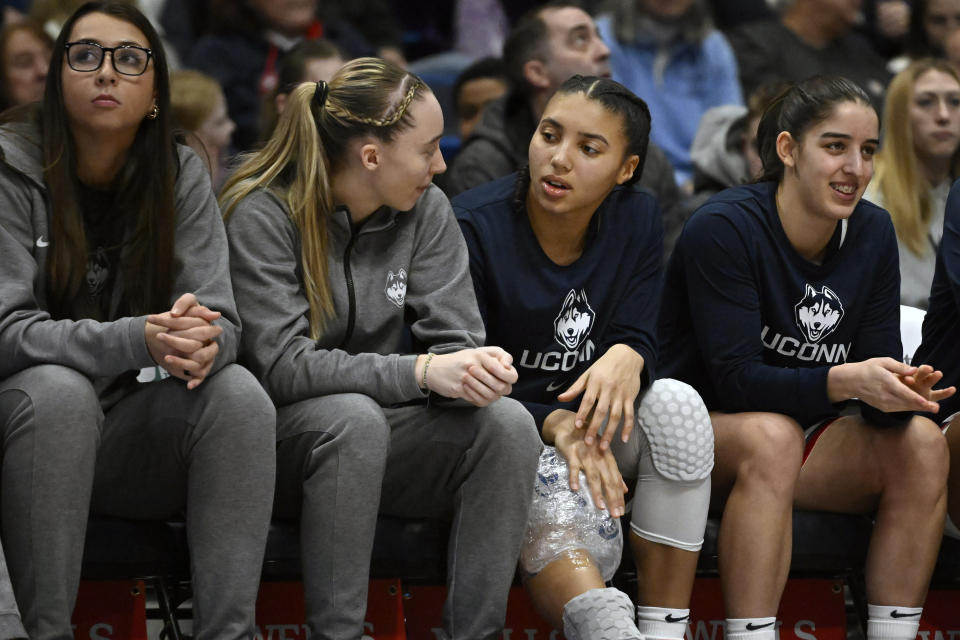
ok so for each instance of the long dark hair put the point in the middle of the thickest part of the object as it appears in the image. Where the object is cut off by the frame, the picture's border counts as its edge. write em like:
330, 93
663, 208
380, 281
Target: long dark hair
797, 108
144, 186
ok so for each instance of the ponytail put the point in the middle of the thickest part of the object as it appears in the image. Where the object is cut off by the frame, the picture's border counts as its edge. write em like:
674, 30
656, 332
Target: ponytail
367, 96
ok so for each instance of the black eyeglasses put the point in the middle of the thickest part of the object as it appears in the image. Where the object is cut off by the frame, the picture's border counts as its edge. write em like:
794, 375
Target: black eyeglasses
128, 59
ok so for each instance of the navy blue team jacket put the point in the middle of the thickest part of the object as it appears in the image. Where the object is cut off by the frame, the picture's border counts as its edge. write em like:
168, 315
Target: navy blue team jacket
941, 341
754, 326
557, 320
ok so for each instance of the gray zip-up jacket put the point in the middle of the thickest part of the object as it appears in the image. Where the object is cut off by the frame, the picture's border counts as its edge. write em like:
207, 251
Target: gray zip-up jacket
401, 275
100, 350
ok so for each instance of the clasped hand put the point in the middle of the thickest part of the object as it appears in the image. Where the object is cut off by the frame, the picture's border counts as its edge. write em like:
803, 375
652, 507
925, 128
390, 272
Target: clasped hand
479, 376
182, 340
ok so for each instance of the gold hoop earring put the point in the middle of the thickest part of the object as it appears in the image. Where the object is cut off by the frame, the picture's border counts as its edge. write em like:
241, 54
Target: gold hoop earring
154, 113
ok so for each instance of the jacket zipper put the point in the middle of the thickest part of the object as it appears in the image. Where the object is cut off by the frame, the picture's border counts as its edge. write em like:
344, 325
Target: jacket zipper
351, 294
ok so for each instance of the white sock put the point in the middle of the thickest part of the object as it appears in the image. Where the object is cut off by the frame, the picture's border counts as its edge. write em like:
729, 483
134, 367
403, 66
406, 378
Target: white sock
662, 623
750, 628
892, 623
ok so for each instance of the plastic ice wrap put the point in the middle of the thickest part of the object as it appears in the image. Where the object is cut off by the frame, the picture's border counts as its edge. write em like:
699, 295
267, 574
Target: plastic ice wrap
562, 521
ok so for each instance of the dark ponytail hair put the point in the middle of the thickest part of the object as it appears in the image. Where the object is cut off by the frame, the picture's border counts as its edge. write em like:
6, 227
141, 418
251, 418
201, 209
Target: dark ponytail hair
145, 185
797, 108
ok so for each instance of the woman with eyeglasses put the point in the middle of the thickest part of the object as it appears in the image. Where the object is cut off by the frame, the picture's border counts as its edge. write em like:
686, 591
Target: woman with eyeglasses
114, 260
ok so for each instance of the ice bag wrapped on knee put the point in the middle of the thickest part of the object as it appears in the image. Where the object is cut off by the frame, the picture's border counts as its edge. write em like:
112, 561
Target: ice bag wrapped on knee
562, 521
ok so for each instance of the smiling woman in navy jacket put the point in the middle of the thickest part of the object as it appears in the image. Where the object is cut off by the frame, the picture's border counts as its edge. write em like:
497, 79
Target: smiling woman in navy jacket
781, 304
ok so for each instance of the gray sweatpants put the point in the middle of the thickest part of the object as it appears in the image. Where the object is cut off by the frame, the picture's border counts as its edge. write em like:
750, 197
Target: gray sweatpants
472, 466
157, 452
10, 624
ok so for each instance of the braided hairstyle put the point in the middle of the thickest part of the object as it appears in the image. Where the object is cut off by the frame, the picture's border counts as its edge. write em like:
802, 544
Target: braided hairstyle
366, 97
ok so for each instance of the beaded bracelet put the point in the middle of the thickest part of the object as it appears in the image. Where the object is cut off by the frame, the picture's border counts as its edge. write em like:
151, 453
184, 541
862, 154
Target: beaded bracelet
426, 365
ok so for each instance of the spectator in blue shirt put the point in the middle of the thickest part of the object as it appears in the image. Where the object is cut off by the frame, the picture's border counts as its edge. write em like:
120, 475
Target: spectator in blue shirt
670, 55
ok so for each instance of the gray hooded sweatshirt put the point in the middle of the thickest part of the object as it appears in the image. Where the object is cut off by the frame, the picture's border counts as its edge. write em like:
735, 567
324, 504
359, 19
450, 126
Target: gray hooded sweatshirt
101, 350
399, 275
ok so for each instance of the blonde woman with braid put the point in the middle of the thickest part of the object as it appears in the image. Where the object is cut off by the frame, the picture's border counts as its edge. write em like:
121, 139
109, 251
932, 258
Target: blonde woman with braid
353, 285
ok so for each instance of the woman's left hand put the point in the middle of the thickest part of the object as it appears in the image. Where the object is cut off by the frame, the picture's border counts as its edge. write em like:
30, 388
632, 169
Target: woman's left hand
609, 387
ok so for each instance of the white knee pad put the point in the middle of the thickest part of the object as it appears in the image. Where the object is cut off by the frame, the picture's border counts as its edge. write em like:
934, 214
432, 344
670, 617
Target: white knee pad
600, 614
675, 450
677, 425
670, 512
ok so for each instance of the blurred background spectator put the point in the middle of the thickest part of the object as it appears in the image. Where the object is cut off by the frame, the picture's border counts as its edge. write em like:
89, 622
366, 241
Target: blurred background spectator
811, 37
724, 151
931, 22
248, 38
479, 84
481, 26
309, 61
730, 13
885, 24
668, 53
25, 51
13, 11
200, 111
951, 49
374, 20
916, 165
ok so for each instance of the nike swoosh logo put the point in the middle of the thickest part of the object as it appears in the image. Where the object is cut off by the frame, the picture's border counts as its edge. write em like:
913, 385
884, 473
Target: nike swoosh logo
754, 627
670, 618
897, 614
42, 243
554, 386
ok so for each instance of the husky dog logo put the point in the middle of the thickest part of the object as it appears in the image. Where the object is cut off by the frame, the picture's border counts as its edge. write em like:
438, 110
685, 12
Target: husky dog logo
818, 313
575, 320
396, 287
98, 270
